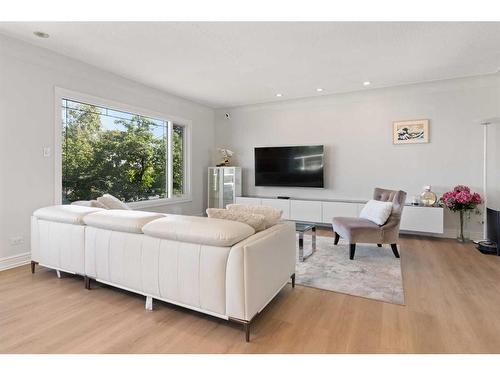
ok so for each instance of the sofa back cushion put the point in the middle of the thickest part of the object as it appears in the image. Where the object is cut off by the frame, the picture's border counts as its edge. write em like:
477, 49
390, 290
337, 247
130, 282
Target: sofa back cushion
112, 202
200, 230
90, 203
272, 215
121, 220
256, 221
65, 213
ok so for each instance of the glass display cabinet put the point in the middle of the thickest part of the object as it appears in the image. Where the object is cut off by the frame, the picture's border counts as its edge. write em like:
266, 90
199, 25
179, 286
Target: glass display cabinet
224, 185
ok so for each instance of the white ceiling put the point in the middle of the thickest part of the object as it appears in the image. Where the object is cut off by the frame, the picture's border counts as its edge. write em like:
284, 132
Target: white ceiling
231, 64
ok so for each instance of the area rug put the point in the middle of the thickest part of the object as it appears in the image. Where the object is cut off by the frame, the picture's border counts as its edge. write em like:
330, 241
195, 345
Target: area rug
373, 273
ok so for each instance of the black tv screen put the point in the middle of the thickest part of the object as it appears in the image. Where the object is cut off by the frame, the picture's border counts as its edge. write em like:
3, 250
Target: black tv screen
294, 166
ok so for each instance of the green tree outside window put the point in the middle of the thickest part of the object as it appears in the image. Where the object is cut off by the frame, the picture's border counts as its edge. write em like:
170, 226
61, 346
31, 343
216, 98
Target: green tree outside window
119, 153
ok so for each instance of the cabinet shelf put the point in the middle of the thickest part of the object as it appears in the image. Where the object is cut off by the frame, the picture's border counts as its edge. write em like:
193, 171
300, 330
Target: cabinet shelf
224, 185
415, 218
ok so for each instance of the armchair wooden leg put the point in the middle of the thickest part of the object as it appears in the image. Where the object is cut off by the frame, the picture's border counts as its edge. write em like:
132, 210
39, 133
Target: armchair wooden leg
337, 238
293, 280
352, 250
379, 245
394, 248
33, 264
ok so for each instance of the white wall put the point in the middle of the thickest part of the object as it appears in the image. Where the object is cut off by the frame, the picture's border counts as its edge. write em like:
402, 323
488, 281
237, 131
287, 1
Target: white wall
356, 129
28, 76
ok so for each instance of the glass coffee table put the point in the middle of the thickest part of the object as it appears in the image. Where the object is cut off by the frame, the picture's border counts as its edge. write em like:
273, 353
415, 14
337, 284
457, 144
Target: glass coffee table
301, 228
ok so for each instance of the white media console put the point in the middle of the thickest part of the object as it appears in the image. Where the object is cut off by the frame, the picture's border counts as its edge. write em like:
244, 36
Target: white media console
415, 218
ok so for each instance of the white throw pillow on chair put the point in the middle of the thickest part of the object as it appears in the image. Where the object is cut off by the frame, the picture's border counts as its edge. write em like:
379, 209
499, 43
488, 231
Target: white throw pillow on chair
376, 211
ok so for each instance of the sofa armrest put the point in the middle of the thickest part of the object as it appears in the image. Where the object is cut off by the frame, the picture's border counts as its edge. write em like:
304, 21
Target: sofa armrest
257, 268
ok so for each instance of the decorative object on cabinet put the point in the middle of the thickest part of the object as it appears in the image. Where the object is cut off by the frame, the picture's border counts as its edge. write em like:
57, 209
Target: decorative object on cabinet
428, 198
463, 201
224, 185
413, 131
226, 157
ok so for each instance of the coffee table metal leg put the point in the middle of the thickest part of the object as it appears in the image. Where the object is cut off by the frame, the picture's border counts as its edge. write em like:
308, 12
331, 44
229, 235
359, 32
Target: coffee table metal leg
301, 246
313, 239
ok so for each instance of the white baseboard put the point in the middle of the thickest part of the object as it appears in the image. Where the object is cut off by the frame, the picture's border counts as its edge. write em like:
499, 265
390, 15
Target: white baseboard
15, 261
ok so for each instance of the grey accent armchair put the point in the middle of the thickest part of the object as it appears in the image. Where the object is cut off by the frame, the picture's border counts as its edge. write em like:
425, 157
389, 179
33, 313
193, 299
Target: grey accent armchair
357, 230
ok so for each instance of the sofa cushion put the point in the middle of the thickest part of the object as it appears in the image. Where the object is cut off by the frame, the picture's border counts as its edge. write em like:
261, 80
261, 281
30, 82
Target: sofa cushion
376, 211
90, 203
272, 215
113, 203
354, 229
256, 221
121, 220
65, 213
202, 230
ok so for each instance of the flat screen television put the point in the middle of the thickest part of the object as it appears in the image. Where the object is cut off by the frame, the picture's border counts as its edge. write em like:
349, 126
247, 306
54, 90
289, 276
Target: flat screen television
292, 166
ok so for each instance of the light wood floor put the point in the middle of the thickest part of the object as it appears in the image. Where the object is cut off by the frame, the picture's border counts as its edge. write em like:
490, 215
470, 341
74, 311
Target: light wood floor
452, 295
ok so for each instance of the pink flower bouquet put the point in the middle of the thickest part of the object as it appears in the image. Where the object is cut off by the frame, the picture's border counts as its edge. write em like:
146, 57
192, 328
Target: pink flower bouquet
460, 199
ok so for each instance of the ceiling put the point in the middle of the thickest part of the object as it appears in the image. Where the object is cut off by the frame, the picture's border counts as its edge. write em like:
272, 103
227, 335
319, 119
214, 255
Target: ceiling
227, 64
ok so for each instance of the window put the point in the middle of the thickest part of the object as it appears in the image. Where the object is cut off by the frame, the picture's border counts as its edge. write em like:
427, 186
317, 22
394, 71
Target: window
178, 160
131, 156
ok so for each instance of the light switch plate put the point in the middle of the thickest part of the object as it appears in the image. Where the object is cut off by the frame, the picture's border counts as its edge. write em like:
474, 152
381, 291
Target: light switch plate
46, 152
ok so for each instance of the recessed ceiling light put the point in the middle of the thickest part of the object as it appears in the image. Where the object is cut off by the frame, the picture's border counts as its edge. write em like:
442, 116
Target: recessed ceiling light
41, 34
279, 95
319, 89
367, 83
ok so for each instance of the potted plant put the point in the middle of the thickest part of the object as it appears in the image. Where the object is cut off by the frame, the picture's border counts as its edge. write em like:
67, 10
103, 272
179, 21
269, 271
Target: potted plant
463, 201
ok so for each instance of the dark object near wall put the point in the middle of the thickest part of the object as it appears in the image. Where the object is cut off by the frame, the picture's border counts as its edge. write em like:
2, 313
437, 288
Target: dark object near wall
493, 233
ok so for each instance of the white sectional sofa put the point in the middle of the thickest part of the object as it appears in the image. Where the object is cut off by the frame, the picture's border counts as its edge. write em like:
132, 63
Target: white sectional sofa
218, 267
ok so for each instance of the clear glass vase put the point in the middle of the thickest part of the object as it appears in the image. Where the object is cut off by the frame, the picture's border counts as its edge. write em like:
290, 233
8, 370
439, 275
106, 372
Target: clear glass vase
463, 233
428, 198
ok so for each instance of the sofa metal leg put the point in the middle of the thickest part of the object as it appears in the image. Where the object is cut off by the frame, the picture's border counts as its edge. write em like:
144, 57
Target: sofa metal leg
149, 303
293, 280
33, 264
246, 326
394, 248
379, 245
352, 250
58, 273
337, 238
86, 280
247, 331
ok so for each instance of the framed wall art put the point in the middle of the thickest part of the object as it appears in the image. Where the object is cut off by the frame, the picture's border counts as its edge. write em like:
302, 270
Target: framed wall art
412, 131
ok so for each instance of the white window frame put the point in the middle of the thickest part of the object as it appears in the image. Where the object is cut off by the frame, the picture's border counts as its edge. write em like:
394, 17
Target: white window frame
61, 93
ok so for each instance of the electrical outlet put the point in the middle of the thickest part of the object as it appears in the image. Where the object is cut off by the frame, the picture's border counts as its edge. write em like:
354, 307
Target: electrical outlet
46, 152
16, 241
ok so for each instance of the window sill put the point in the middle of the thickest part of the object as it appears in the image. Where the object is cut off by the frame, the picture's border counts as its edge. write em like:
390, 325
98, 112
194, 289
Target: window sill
158, 202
